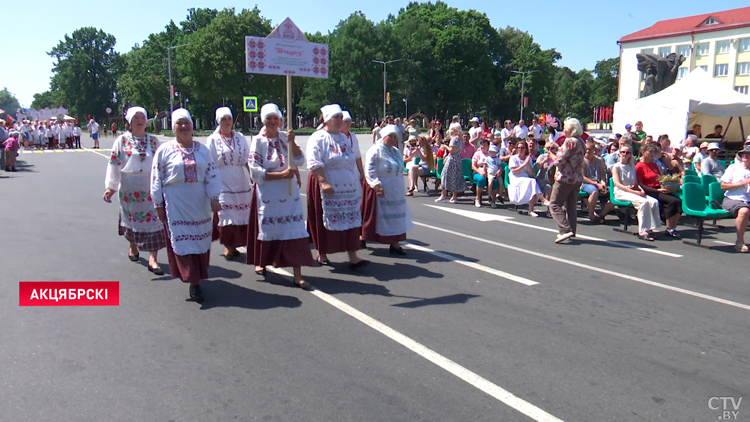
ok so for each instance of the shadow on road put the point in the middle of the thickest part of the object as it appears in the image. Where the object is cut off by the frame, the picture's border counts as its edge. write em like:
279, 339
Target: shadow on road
222, 294
333, 287
443, 300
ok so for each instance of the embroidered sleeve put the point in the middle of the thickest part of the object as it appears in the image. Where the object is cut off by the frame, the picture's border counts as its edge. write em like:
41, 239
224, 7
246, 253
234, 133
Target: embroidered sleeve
371, 166
158, 175
114, 167
256, 159
213, 182
314, 152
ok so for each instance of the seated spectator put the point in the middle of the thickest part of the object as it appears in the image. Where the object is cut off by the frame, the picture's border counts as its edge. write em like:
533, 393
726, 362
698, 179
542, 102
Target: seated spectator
522, 187
671, 156
710, 165
688, 150
546, 165
700, 156
626, 188
468, 150
508, 151
612, 159
737, 158
533, 148
486, 167
423, 151
717, 133
735, 182
647, 172
595, 183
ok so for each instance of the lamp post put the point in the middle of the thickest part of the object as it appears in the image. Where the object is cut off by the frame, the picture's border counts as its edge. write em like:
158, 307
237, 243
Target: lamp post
385, 72
523, 82
169, 70
406, 101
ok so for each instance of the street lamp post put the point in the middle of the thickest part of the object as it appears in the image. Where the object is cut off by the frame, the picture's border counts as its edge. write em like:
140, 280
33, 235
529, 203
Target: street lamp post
169, 70
406, 101
523, 82
385, 72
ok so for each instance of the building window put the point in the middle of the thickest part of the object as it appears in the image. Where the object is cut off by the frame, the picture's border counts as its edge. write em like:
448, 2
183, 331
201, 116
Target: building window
705, 68
683, 50
710, 21
741, 89
722, 47
702, 49
682, 72
665, 51
744, 44
743, 68
721, 70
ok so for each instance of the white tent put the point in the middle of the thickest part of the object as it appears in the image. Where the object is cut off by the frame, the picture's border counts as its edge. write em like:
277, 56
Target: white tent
695, 99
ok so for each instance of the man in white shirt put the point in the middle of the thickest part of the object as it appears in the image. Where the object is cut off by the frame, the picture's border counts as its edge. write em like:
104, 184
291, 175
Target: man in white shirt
736, 183
475, 132
399, 133
505, 133
536, 129
521, 130
93, 128
455, 124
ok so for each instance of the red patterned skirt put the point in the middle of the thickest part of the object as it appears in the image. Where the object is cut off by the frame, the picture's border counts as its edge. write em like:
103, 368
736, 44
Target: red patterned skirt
190, 268
369, 218
230, 236
326, 241
278, 253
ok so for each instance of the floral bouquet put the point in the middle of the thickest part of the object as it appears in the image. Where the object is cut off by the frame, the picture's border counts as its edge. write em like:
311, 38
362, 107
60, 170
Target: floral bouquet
670, 182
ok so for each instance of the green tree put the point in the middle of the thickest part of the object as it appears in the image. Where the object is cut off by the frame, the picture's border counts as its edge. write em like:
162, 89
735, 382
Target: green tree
604, 88
8, 102
48, 99
85, 70
213, 65
580, 105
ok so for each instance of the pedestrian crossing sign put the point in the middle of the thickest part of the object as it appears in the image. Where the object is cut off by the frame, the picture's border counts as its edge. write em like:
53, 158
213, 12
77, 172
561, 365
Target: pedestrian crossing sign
251, 103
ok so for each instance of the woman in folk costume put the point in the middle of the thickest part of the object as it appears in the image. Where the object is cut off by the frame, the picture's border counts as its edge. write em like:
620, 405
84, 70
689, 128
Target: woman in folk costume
277, 234
385, 215
185, 185
230, 150
353, 142
128, 173
334, 191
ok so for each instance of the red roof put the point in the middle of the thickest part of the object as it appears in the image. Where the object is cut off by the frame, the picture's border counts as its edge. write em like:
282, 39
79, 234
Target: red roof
735, 18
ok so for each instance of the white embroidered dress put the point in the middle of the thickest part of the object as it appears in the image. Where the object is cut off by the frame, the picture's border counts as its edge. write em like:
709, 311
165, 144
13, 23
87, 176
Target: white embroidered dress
336, 154
383, 166
185, 181
128, 174
280, 214
230, 154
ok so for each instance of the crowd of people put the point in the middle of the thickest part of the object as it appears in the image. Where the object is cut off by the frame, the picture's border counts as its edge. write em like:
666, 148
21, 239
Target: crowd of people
182, 194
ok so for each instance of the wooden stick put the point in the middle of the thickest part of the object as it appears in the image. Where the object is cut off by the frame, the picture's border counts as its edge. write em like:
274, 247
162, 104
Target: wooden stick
289, 124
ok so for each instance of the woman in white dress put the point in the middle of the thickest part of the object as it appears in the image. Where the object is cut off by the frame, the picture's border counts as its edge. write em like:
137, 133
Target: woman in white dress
385, 215
185, 186
230, 151
334, 191
128, 173
627, 189
277, 234
522, 186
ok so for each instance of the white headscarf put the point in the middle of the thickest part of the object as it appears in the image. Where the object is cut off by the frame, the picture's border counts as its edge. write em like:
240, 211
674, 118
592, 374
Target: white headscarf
132, 112
347, 116
269, 109
388, 130
180, 113
221, 112
330, 111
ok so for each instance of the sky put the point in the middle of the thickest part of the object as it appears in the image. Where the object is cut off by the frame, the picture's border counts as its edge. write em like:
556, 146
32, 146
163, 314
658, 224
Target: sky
582, 31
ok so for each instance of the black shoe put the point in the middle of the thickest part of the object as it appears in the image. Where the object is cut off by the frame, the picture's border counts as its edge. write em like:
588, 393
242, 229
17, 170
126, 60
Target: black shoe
672, 233
134, 258
156, 270
262, 272
196, 295
500, 200
13, 169
396, 251
493, 205
324, 263
359, 264
363, 244
303, 285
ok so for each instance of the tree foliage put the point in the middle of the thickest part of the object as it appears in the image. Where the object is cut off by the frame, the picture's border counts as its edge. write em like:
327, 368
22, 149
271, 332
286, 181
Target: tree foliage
9, 102
85, 71
48, 99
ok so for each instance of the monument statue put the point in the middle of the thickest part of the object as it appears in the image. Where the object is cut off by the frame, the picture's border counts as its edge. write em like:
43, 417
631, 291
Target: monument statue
660, 72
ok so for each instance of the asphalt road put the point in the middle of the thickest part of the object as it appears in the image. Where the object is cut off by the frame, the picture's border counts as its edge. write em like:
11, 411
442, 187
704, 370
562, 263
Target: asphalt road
485, 319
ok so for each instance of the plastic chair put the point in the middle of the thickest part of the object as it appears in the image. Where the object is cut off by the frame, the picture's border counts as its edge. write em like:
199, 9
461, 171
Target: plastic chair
706, 180
439, 167
466, 170
691, 179
627, 207
690, 172
694, 205
715, 193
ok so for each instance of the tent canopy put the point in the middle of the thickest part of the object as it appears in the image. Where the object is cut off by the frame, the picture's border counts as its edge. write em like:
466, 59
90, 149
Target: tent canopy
696, 99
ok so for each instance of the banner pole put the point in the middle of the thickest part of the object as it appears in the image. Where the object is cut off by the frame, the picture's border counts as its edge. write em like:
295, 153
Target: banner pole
289, 123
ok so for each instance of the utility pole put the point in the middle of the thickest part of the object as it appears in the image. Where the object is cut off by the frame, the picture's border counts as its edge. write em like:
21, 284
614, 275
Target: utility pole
523, 83
385, 73
169, 70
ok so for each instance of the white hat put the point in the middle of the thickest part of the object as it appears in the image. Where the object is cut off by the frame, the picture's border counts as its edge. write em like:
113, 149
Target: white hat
269, 109
330, 111
91, 120
388, 130
347, 116
221, 112
181, 113
494, 148
713, 145
747, 139
132, 112
474, 119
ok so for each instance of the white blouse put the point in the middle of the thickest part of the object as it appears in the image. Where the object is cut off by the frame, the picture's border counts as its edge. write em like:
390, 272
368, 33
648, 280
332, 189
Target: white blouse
270, 154
175, 165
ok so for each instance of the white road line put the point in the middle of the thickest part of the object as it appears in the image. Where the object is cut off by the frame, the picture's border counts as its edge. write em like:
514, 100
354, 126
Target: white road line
452, 367
723, 243
97, 153
509, 220
596, 269
473, 265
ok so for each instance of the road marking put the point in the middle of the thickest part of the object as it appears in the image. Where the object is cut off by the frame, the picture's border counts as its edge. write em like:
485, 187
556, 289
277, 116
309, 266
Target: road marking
473, 265
452, 367
485, 217
97, 153
596, 269
723, 243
